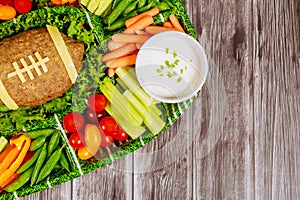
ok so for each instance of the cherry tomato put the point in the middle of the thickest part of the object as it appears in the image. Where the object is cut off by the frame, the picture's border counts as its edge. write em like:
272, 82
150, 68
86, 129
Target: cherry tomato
92, 136
108, 125
75, 141
6, 3
106, 140
97, 102
84, 153
73, 122
23, 6
120, 135
7, 13
94, 117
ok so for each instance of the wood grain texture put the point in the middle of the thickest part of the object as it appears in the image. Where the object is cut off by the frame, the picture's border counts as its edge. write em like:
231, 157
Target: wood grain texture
240, 138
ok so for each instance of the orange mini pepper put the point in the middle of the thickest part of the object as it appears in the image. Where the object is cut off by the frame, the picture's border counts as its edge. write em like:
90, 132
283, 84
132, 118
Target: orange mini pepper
23, 143
5, 152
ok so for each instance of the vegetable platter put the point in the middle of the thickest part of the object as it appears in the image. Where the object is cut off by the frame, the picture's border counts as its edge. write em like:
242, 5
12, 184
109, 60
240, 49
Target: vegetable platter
57, 124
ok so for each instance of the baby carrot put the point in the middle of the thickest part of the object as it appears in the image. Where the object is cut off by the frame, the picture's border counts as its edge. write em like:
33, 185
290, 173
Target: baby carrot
129, 38
111, 72
168, 25
158, 29
114, 45
140, 24
123, 51
132, 20
124, 61
175, 22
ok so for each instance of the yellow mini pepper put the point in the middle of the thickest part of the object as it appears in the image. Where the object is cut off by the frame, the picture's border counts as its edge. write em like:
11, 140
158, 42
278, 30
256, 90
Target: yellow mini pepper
23, 143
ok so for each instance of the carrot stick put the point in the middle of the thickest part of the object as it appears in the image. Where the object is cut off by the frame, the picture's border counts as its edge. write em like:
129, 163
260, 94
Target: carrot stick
175, 22
109, 62
168, 25
140, 24
132, 20
9, 159
114, 45
139, 45
158, 29
5, 152
111, 72
125, 38
123, 51
124, 61
11, 179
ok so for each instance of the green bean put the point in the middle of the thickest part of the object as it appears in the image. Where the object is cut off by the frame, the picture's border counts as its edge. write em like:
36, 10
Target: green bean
37, 143
64, 162
20, 181
50, 164
53, 143
163, 6
39, 164
130, 8
38, 133
119, 9
29, 162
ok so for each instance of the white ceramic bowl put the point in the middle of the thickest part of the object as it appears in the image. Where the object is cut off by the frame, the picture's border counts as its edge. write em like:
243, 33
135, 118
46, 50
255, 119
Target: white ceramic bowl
172, 67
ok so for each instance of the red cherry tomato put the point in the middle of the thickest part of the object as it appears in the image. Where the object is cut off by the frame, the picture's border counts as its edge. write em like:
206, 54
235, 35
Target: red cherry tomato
73, 122
106, 140
120, 135
23, 6
6, 3
108, 125
97, 102
75, 141
94, 117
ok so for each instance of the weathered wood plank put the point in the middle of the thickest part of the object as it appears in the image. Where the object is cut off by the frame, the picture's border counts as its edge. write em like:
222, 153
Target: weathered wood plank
276, 100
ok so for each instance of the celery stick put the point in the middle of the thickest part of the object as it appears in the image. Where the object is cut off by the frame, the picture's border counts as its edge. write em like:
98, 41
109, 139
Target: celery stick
84, 2
93, 5
134, 86
133, 131
122, 84
120, 103
156, 110
154, 123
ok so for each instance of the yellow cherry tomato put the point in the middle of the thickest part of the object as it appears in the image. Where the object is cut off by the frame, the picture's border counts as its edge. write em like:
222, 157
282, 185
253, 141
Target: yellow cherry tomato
7, 13
92, 136
84, 153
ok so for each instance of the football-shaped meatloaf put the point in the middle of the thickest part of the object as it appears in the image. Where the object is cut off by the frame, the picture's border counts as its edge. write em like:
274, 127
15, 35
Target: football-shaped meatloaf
31, 69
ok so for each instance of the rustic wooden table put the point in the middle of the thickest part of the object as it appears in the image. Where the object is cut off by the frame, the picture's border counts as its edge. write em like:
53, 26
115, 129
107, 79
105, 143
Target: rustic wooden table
240, 139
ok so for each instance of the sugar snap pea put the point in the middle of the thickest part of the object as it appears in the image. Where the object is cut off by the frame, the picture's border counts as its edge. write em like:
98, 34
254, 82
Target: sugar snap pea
20, 181
50, 164
142, 3
37, 143
39, 164
53, 143
169, 3
147, 7
38, 133
29, 162
64, 162
130, 8
119, 9
163, 6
